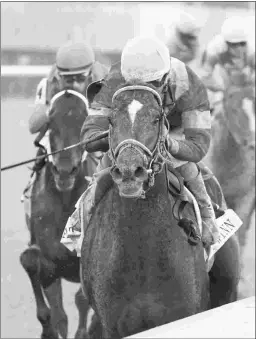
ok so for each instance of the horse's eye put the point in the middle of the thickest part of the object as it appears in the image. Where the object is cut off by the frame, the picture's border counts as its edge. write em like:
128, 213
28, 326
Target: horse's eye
156, 121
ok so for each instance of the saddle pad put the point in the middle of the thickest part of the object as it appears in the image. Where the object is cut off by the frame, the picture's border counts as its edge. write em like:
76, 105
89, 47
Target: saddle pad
228, 224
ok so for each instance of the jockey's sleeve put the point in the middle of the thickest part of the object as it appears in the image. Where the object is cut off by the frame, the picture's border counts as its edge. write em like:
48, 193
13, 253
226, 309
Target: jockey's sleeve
97, 120
39, 116
209, 61
193, 105
95, 123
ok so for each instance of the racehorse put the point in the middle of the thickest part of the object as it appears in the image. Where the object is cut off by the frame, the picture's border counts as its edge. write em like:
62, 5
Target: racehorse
139, 268
231, 156
54, 193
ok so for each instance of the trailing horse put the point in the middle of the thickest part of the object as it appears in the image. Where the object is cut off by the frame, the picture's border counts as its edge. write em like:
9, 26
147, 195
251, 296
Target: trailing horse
141, 265
52, 199
231, 156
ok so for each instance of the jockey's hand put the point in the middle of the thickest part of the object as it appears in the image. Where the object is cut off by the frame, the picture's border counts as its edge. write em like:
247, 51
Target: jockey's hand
208, 238
173, 145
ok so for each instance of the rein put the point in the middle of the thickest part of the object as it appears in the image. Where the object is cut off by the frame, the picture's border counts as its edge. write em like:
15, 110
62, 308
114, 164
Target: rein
98, 137
159, 156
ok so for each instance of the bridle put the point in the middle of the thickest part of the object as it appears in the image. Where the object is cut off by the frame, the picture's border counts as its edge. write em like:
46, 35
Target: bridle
68, 91
46, 129
154, 159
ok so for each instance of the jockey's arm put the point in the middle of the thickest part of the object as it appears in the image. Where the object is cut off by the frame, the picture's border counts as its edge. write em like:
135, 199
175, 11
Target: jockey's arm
207, 73
39, 117
98, 118
194, 108
96, 123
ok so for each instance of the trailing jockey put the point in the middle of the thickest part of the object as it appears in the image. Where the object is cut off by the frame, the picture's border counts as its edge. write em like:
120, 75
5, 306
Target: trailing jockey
75, 69
229, 59
182, 39
186, 103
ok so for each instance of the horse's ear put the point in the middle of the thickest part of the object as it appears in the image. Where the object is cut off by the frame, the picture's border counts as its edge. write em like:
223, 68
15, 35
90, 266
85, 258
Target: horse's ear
93, 89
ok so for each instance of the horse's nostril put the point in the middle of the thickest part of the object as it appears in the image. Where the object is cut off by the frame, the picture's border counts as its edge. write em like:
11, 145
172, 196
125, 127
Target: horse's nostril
139, 172
74, 169
117, 173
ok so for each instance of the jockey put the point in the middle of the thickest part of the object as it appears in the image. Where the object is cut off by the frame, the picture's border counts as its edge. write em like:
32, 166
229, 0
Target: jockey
183, 41
229, 59
75, 69
189, 118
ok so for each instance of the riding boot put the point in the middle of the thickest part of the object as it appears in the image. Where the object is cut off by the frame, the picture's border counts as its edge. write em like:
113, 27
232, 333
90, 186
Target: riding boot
210, 230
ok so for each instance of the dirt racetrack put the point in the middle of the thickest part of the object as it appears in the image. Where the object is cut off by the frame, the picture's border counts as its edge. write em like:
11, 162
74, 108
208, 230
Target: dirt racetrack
18, 311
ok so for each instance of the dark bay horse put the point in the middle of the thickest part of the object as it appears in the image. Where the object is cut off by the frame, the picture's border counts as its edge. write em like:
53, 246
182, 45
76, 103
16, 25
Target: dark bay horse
55, 191
138, 269
232, 153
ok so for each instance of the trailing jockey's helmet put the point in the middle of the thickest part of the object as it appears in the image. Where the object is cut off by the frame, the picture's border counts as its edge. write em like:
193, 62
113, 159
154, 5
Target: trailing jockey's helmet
233, 30
74, 58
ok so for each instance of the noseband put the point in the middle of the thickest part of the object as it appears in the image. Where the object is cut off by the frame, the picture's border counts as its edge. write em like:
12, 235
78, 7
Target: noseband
154, 159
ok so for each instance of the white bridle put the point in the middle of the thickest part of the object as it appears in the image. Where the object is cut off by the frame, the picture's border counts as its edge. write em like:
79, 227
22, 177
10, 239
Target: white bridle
70, 91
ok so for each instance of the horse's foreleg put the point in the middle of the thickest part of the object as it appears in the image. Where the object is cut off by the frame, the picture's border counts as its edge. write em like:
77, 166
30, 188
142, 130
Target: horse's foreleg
30, 260
59, 318
82, 305
225, 274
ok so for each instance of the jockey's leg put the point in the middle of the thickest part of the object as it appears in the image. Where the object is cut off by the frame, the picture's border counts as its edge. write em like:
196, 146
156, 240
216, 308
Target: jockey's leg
213, 187
194, 181
80, 218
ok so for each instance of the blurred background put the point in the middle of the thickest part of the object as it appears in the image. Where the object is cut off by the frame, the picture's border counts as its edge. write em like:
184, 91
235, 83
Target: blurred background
31, 32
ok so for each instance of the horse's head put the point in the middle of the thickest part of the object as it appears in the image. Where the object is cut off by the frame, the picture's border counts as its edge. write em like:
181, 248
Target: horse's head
67, 113
239, 106
136, 132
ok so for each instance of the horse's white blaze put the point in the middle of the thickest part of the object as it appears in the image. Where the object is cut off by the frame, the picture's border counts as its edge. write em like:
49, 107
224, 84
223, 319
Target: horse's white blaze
133, 109
249, 109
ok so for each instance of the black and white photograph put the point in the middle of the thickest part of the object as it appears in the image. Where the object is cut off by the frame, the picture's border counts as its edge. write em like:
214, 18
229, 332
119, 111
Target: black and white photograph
127, 169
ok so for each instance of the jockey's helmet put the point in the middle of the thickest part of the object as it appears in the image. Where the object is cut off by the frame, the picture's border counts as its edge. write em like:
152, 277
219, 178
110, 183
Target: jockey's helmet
187, 25
74, 58
233, 30
145, 59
